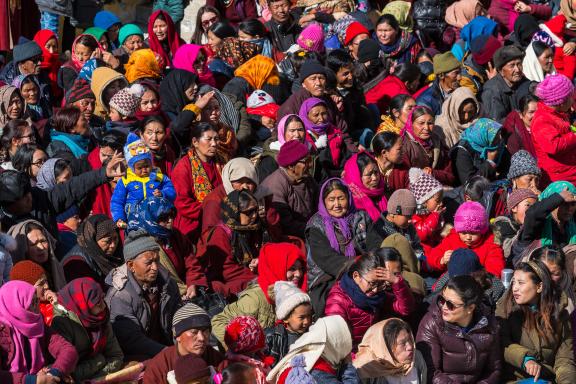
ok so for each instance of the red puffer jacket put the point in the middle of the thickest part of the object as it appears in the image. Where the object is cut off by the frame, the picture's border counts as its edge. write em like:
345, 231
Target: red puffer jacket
399, 302
385, 91
555, 144
428, 228
491, 255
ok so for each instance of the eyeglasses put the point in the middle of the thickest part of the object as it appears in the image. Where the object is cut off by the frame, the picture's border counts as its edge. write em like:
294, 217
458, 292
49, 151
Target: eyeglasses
36, 59
373, 285
39, 162
450, 305
28, 136
208, 22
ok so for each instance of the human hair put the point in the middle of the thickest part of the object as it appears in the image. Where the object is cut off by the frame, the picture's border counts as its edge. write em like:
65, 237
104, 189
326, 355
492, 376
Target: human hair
88, 41
550, 253
407, 72
29, 80
539, 48
114, 140
222, 29
151, 119
423, 53
198, 129
391, 331
334, 185
300, 56
148, 87
363, 160
253, 27
23, 158
384, 141
397, 103
31, 226
230, 373
525, 102
199, 31
419, 111
66, 118
372, 260
12, 130
390, 20
111, 89
337, 59
59, 167
475, 187
467, 288
276, 1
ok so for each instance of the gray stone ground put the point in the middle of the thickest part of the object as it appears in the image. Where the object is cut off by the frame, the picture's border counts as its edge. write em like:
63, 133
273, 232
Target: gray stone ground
188, 23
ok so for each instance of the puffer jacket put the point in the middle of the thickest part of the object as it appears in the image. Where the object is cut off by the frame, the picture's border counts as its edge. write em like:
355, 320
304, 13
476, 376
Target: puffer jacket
455, 356
555, 356
555, 145
428, 226
130, 313
398, 302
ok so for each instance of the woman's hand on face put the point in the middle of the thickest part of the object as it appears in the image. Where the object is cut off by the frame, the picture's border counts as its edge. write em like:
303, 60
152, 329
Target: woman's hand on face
203, 100
96, 54
383, 274
533, 369
190, 293
114, 167
110, 59
492, 155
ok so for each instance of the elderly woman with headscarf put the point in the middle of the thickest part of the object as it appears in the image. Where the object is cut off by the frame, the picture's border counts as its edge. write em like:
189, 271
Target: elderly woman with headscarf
82, 318
31, 345
177, 254
459, 112
97, 251
319, 356
335, 235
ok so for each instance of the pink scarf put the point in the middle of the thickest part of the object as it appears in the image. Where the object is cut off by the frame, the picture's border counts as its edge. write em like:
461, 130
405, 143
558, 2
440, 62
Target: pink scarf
409, 128
15, 299
360, 193
77, 64
186, 56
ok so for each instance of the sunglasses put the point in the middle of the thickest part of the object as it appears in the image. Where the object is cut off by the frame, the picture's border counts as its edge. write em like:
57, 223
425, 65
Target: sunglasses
450, 305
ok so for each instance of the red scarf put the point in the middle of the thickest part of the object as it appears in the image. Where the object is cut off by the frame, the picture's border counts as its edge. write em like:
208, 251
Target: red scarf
50, 61
174, 41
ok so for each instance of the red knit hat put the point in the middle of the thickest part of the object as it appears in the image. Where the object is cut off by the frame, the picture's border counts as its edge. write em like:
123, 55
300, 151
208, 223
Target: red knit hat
244, 334
27, 271
354, 30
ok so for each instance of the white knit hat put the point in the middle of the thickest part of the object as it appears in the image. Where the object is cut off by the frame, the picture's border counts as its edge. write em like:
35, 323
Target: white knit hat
287, 297
423, 185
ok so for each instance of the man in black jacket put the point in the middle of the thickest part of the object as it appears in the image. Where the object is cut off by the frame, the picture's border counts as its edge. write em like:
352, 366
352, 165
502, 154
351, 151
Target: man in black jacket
283, 26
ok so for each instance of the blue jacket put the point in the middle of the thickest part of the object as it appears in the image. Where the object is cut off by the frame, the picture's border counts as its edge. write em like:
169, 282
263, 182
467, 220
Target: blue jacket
432, 98
132, 189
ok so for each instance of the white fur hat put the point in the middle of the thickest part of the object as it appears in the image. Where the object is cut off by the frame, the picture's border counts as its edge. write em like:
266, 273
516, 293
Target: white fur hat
287, 297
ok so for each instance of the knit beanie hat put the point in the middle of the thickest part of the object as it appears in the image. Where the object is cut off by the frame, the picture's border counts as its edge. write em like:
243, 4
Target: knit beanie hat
67, 214
445, 62
26, 51
554, 89
483, 48
95, 31
311, 67
519, 195
353, 30
138, 242
189, 316
244, 334
80, 90
190, 368
292, 152
287, 296
28, 271
402, 202
311, 38
368, 50
522, 163
105, 19
127, 31
135, 150
471, 217
463, 261
262, 104
506, 54
422, 185
298, 374
126, 100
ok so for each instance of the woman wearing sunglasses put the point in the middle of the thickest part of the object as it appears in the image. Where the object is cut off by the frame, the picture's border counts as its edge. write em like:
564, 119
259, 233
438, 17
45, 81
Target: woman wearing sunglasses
373, 289
536, 333
458, 337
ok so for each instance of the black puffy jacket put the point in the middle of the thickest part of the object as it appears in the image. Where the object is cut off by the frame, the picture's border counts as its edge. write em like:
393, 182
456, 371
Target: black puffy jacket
429, 19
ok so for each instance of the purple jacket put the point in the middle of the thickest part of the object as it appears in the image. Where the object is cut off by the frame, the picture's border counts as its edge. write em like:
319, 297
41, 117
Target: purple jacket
398, 303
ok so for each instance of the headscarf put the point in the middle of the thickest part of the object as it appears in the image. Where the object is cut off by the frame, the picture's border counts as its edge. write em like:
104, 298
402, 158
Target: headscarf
524, 26
306, 106
481, 134
91, 230
462, 12
328, 338
27, 327
479, 26
50, 61
282, 127
374, 359
74, 60
236, 169
173, 90
258, 71
146, 215
185, 57
96, 32
409, 128
449, 119
101, 78
236, 52
243, 244
80, 296
274, 262
229, 114
362, 195
400, 49
6, 93
570, 228
568, 12
46, 178
344, 224
401, 12
142, 65
39, 110
531, 65
172, 39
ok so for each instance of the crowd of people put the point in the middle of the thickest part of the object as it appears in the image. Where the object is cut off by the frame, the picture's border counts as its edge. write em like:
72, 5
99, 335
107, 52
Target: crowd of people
311, 191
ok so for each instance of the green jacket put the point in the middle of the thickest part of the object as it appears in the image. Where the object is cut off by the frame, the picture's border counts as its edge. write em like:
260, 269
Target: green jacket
251, 302
556, 356
68, 325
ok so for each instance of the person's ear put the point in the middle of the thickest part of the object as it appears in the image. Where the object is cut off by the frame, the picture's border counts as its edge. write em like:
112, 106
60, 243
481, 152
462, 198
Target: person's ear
130, 264
471, 308
395, 113
540, 288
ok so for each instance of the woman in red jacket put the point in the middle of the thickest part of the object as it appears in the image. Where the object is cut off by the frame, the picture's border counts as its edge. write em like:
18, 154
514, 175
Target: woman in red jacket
154, 133
371, 290
471, 230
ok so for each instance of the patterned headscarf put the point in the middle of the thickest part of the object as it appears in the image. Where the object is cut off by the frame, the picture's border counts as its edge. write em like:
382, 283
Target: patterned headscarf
481, 135
236, 52
557, 187
147, 214
89, 232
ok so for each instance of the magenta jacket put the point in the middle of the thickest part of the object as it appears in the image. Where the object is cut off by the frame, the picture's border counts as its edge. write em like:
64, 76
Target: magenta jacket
399, 302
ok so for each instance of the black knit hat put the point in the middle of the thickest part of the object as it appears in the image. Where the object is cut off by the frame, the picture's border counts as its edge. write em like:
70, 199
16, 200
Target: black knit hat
13, 186
368, 50
311, 67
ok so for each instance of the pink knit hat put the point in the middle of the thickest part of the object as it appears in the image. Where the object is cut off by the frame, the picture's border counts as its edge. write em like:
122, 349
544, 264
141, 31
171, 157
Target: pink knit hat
471, 217
555, 89
311, 38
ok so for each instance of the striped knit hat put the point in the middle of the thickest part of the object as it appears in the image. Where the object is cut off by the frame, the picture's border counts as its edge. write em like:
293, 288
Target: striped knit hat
80, 90
189, 316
